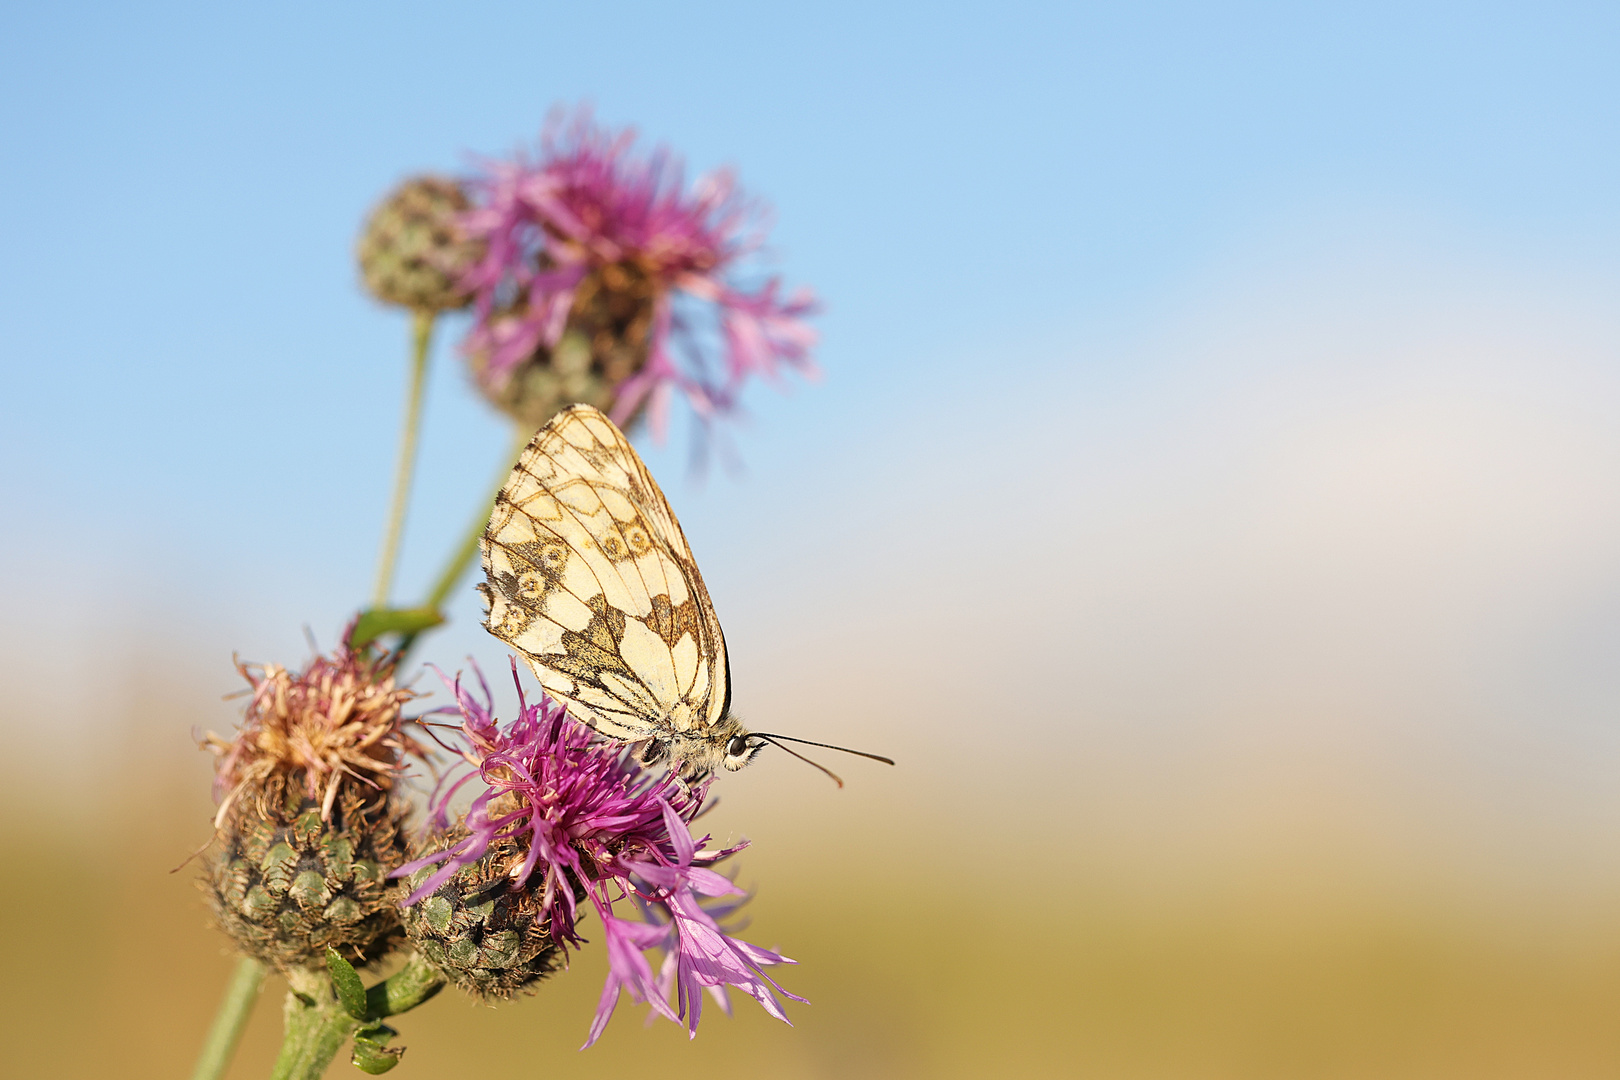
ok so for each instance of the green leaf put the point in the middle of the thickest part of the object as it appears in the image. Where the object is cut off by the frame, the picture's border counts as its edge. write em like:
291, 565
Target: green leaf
373, 624
351, 992
372, 1055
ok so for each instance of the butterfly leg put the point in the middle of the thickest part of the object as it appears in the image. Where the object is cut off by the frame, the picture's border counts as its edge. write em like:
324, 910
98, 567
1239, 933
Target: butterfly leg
652, 752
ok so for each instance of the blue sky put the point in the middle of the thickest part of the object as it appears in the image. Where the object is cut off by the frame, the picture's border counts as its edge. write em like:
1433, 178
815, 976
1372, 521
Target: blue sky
184, 183
1097, 256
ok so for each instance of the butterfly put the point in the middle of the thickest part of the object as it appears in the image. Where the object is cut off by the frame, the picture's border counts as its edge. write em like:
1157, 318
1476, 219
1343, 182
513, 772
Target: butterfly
589, 577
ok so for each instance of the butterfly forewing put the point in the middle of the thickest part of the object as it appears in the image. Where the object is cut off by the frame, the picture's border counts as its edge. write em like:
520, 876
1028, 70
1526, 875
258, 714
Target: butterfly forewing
591, 579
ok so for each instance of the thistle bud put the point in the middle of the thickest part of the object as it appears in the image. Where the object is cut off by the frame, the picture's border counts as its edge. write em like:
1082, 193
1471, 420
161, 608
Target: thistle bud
605, 341
413, 251
487, 934
309, 823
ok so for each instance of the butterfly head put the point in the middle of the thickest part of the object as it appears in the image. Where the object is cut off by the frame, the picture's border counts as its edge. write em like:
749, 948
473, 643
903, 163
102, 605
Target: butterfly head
730, 748
695, 758
740, 750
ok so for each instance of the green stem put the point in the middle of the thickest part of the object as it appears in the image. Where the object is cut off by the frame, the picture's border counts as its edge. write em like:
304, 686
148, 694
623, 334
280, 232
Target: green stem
317, 1027
234, 1011
403, 991
461, 558
421, 334
314, 1027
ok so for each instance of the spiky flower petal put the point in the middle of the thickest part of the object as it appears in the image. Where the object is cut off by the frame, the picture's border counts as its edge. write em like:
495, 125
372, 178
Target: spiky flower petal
566, 819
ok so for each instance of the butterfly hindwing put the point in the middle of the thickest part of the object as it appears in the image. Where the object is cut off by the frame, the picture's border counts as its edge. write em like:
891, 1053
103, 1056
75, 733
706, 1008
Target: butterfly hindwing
590, 577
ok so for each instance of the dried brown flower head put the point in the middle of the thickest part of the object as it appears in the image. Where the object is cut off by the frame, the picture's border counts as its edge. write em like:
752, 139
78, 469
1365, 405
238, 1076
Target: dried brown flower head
309, 820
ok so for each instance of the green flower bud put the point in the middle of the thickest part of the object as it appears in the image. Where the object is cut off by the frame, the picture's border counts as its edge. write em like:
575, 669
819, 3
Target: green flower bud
286, 884
481, 932
413, 252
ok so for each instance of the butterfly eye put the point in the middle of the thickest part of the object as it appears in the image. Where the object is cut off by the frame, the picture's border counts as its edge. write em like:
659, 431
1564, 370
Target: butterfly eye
737, 747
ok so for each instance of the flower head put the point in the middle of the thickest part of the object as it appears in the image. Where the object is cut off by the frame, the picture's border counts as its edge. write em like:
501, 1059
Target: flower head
413, 251
603, 249
337, 720
572, 820
309, 824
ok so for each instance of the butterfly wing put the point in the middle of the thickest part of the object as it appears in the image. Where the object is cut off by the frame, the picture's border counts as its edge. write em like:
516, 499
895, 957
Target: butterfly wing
590, 578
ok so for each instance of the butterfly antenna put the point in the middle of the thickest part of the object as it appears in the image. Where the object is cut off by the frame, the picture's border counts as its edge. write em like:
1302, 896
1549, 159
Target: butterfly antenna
772, 740
824, 746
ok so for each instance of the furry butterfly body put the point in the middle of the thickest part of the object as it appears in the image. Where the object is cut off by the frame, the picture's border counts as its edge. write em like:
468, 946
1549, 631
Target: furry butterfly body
590, 578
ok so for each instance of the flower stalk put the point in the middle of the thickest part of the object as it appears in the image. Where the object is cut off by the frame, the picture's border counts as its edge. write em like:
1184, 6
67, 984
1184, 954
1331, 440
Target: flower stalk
320, 1017
314, 1026
421, 336
455, 568
462, 557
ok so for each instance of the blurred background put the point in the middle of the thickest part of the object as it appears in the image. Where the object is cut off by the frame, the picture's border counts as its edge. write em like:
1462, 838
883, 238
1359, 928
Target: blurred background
1212, 500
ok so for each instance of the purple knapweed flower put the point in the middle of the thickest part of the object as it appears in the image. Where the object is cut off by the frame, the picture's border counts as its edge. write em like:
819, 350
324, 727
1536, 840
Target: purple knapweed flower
574, 820
597, 238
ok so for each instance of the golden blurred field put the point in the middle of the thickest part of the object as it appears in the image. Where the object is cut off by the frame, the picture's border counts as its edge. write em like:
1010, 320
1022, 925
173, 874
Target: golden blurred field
929, 948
